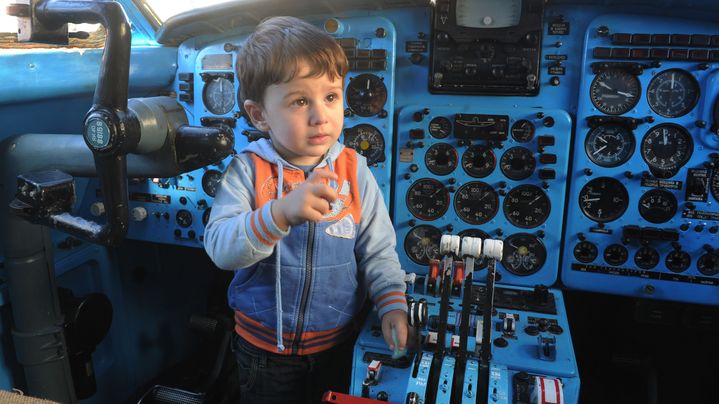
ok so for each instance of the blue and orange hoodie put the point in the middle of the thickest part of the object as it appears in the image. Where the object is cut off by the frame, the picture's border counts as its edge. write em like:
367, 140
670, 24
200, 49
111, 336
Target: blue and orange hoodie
298, 291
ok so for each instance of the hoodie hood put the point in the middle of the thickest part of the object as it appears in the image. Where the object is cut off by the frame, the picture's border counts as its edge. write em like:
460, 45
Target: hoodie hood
263, 148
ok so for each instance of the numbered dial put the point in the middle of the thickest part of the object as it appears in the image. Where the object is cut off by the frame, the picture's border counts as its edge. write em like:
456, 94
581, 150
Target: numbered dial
210, 180
479, 161
441, 158
526, 206
585, 251
440, 127
658, 206
366, 94
523, 131
476, 202
666, 148
422, 244
609, 145
206, 216
524, 254
678, 261
517, 163
673, 93
183, 218
480, 263
367, 140
708, 264
614, 91
646, 257
603, 199
616, 254
428, 199
219, 95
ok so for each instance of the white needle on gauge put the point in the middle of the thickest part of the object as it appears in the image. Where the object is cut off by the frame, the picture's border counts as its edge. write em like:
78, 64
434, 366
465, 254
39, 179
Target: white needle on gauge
672, 85
602, 139
628, 95
535, 199
603, 84
591, 199
600, 149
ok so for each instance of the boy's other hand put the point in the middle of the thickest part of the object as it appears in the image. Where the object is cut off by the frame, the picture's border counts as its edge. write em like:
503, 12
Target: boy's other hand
396, 319
308, 202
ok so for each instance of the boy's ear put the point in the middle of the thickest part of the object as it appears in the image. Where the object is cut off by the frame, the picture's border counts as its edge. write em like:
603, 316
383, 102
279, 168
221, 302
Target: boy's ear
256, 114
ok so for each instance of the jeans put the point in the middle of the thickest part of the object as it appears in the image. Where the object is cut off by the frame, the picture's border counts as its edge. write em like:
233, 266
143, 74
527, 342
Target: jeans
267, 377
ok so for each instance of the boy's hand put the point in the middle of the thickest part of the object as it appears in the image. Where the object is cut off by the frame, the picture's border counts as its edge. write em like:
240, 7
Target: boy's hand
396, 319
308, 202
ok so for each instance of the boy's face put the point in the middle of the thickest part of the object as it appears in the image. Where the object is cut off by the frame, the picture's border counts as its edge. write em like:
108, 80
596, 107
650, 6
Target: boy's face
304, 116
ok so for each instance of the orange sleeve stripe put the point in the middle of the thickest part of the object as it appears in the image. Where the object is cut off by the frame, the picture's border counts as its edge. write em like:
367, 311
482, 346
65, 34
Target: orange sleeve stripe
393, 301
257, 233
265, 229
388, 295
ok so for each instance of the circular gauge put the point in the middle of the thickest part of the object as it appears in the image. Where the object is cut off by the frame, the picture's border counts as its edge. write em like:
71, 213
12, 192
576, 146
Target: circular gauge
476, 202
526, 206
714, 184
219, 95
673, 93
658, 205
666, 148
523, 131
367, 141
678, 261
480, 263
614, 91
609, 145
441, 158
478, 161
422, 244
183, 218
646, 257
603, 199
427, 199
440, 127
206, 216
366, 94
524, 254
517, 163
210, 181
708, 264
585, 251
616, 254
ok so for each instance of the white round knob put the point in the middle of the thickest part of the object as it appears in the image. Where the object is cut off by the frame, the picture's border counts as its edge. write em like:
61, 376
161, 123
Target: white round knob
97, 209
138, 214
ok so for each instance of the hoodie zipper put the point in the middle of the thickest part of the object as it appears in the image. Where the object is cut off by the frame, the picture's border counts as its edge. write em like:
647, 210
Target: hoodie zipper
305, 286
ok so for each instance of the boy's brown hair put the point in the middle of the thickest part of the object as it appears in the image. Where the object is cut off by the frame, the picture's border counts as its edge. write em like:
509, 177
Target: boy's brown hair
272, 54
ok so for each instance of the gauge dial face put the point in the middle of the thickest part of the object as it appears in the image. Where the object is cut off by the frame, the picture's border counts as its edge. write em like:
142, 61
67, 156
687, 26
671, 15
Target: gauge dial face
658, 206
210, 181
646, 257
441, 158
526, 206
609, 145
714, 184
479, 161
585, 251
603, 199
476, 202
708, 264
427, 199
517, 163
673, 93
440, 127
666, 148
422, 244
524, 254
219, 95
183, 217
480, 263
206, 216
678, 261
615, 91
616, 254
523, 131
366, 94
488, 13
367, 141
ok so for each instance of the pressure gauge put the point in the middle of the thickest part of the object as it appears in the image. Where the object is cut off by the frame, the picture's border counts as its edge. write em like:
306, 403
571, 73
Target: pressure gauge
678, 261
658, 206
524, 254
609, 145
219, 95
666, 148
441, 158
427, 199
440, 127
523, 131
526, 206
517, 163
367, 141
210, 181
616, 254
646, 257
673, 93
603, 199
366, 94
421, 244
476, 202
615, 91
478, 161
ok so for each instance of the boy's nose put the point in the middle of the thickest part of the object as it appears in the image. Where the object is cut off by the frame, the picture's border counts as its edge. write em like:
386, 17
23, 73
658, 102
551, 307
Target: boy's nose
319, 116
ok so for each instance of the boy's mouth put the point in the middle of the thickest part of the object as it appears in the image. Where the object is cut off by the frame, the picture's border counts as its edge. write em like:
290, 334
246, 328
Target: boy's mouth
318, 139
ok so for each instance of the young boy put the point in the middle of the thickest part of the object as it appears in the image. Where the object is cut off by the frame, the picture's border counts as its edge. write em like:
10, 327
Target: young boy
306, 255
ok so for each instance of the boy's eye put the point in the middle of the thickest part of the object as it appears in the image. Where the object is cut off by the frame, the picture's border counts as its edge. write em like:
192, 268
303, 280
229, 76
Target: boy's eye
300, 102
332, 97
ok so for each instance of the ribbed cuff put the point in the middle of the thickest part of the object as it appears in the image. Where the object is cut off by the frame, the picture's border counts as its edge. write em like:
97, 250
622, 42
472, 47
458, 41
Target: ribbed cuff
262, 230
390, 299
